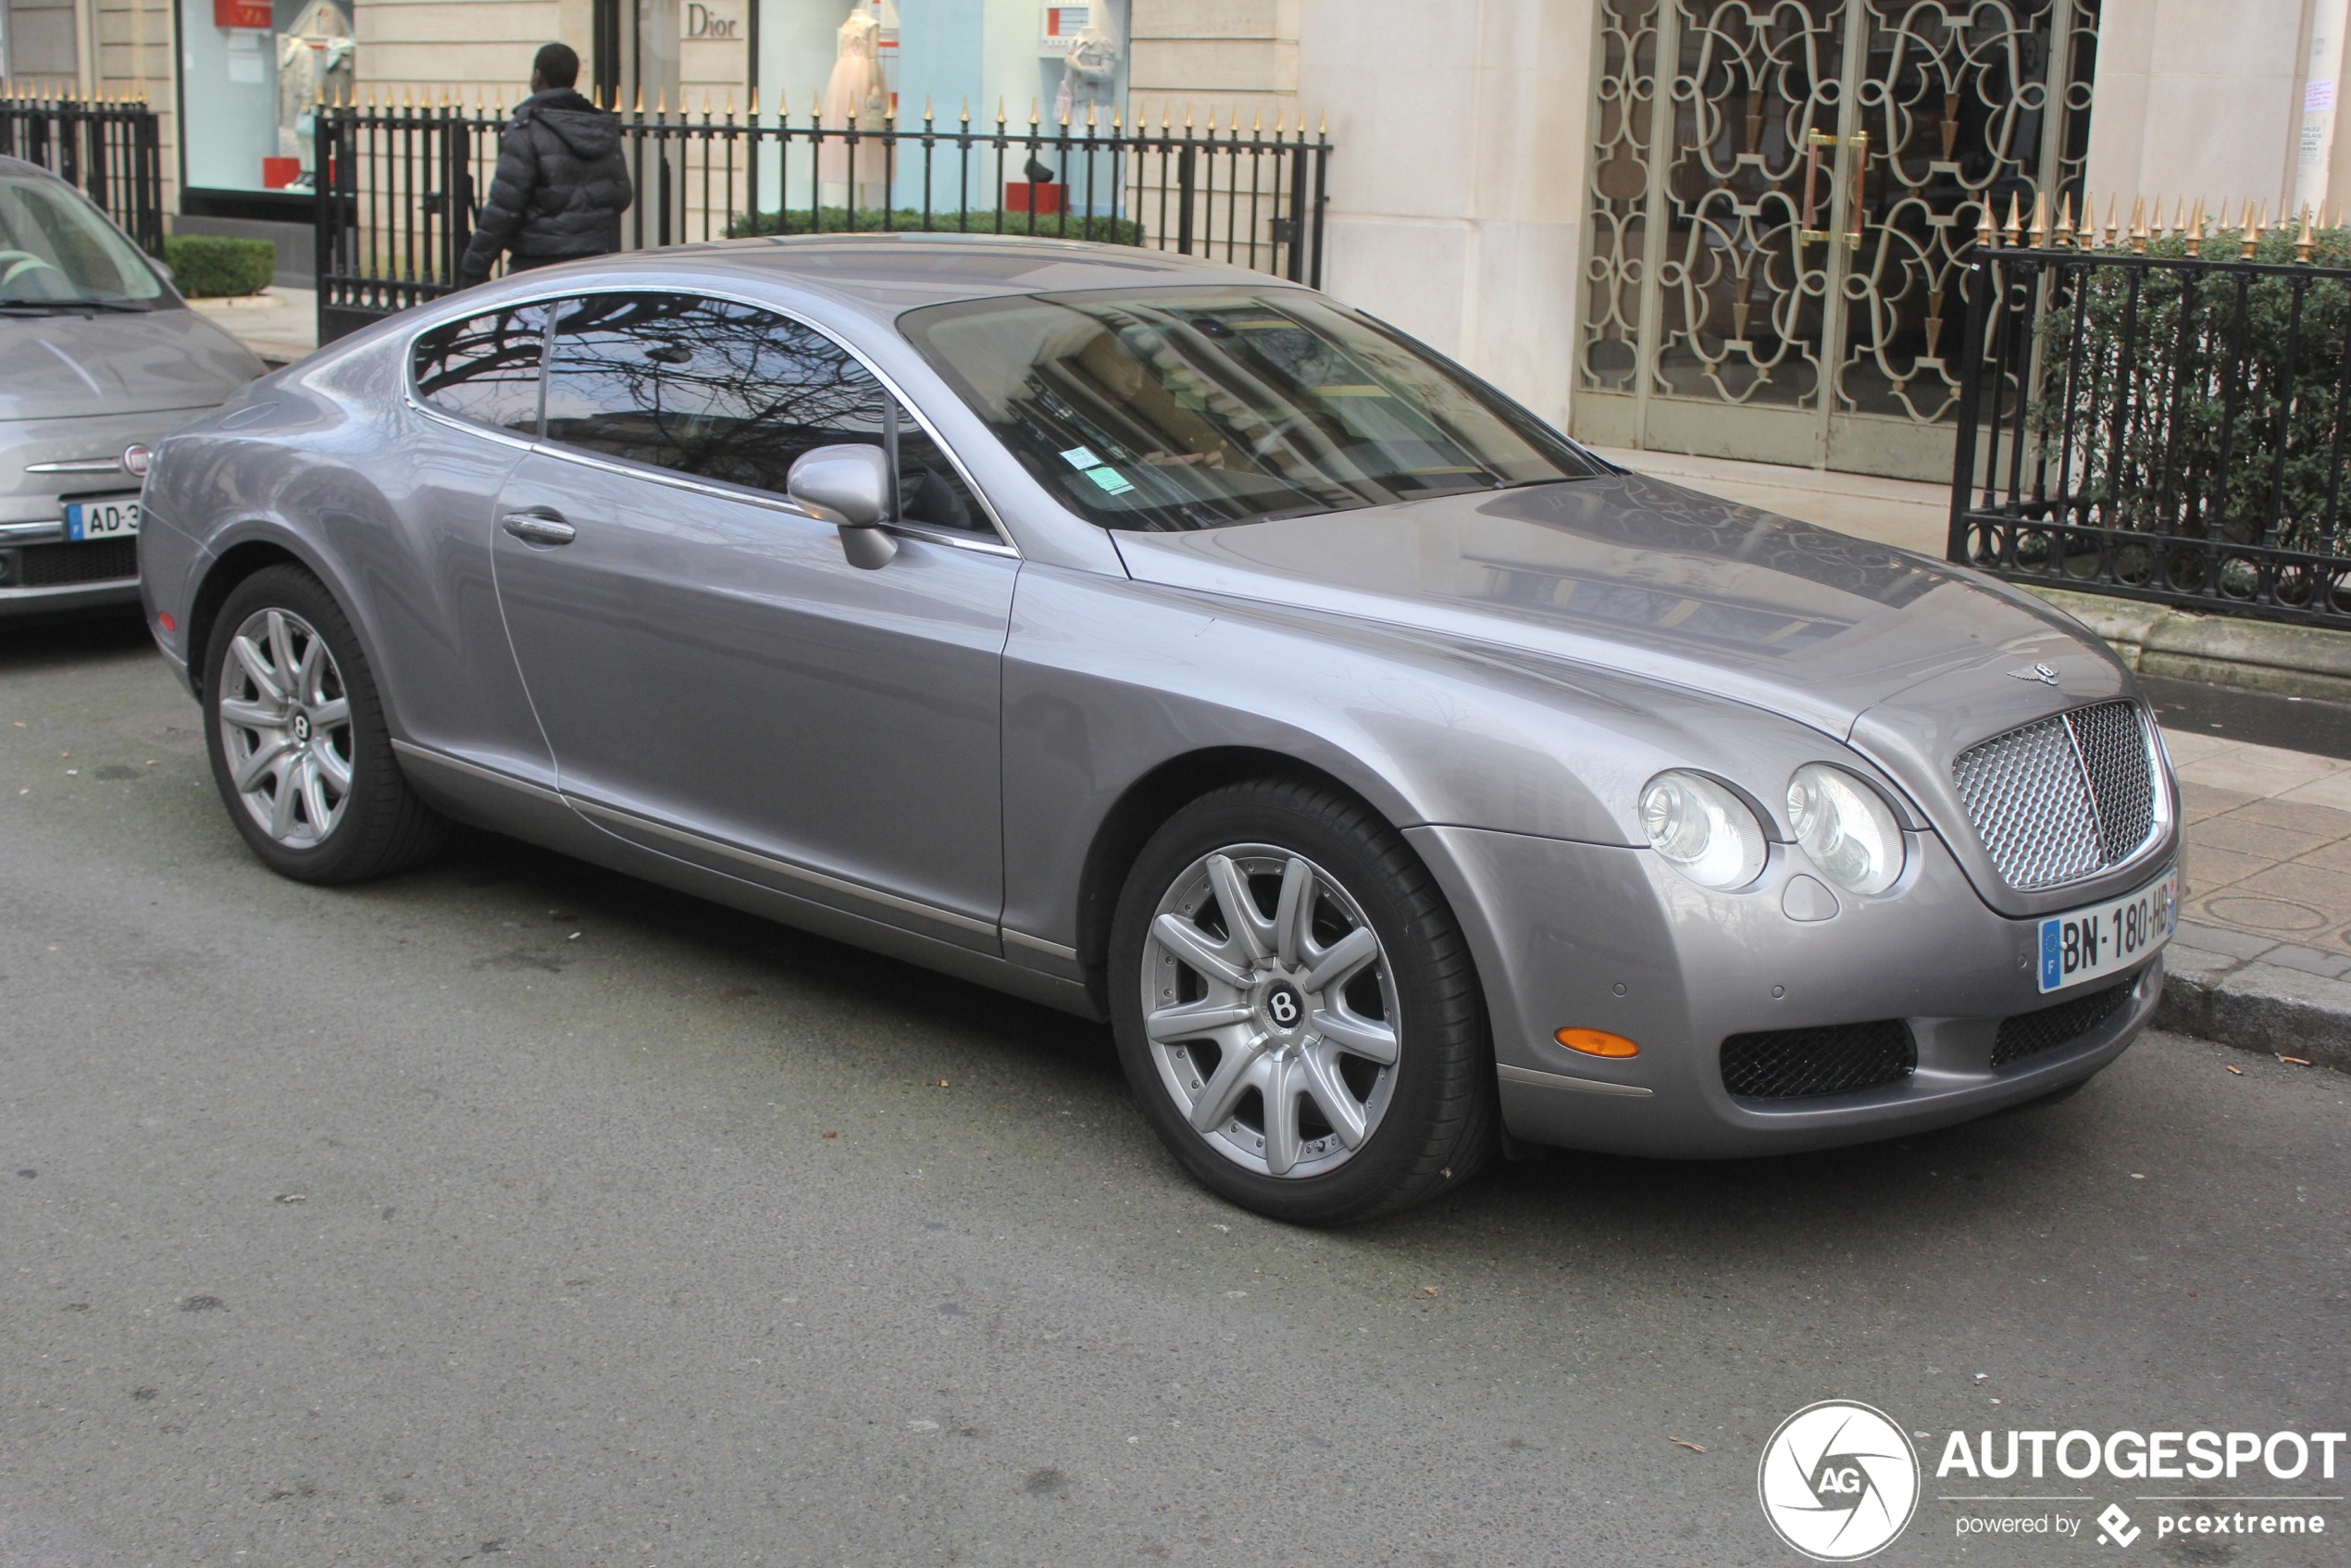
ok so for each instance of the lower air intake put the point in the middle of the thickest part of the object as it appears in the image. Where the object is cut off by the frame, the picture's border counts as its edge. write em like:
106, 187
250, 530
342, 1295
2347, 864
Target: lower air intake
1833, 1059
2030, 1034
60, 566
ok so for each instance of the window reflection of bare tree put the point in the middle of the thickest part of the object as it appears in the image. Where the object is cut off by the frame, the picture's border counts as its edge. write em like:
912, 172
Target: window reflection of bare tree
706, 386
504, 347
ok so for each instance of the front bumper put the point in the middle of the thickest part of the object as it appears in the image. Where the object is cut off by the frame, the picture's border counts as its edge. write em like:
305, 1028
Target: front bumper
1608, 937
17, 604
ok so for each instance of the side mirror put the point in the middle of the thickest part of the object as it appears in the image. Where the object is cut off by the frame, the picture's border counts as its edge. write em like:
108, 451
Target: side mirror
850, 487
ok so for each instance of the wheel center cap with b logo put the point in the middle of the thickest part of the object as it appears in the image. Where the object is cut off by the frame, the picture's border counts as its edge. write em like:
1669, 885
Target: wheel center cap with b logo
302, 726
1283, 1005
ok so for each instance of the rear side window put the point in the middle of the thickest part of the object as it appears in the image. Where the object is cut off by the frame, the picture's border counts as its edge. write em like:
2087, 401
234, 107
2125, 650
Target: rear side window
485, 368
730, 393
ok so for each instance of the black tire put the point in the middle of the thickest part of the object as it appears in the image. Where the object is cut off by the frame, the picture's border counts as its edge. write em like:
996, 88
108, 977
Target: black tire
1441, 1122
382, 826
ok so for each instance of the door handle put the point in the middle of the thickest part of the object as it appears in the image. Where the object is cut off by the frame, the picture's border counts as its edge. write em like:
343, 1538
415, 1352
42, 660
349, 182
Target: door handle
539, 527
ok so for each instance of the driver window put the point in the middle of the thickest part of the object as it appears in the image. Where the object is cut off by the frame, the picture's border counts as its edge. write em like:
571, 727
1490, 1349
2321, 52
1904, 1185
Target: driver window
730, 393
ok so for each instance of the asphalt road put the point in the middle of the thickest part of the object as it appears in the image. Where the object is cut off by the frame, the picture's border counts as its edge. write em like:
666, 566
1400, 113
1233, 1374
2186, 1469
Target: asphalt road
513, 1208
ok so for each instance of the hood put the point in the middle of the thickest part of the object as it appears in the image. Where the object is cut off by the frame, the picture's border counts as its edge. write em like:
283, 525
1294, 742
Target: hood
1633, 574
576, 123
68, 366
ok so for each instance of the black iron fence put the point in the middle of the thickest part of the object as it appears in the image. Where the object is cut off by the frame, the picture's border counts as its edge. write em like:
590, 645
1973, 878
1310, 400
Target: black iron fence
401, 187
112, 148
2165, 420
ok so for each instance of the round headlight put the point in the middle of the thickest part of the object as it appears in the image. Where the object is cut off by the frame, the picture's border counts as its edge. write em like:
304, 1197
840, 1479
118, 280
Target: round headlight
1704, 832
1845, 828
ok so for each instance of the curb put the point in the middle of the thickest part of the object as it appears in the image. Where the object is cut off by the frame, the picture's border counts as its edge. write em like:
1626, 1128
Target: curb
2289, 660
2256, 1006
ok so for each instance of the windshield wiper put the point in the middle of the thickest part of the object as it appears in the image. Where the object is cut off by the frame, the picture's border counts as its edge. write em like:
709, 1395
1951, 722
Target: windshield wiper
68, 307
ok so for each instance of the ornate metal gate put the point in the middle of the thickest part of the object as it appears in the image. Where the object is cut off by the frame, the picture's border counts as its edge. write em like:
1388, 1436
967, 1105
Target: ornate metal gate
1783, 193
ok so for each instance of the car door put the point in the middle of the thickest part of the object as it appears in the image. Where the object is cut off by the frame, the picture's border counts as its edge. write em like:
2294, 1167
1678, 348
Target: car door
475, 381
716, 680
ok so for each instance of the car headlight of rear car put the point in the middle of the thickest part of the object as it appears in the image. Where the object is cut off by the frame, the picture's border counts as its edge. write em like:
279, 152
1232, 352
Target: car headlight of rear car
1704, 832
1846, 829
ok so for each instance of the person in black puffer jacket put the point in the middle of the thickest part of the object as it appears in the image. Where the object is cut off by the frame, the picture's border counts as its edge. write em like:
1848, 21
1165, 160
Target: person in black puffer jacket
562, 182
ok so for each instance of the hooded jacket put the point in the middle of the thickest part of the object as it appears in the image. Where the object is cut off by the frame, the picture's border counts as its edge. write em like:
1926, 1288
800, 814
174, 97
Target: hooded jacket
561, 186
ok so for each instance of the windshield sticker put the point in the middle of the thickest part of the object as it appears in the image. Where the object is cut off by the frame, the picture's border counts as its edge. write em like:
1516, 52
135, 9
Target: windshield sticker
1080, 458
1110, 480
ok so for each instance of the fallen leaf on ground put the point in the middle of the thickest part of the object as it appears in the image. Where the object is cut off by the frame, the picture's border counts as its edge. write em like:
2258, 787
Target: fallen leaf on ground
1686, 1443
1428, 1289
832, 1134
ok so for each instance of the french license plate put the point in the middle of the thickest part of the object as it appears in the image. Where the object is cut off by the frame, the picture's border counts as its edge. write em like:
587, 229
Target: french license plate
114, 519
2089, 944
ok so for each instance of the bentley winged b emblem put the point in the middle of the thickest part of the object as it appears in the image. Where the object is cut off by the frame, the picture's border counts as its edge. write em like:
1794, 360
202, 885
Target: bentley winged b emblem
2041, 673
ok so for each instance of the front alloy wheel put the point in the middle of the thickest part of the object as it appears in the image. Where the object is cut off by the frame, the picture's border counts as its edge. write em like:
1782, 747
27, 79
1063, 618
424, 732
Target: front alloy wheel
285, 728
1296, 1009
1270, 1010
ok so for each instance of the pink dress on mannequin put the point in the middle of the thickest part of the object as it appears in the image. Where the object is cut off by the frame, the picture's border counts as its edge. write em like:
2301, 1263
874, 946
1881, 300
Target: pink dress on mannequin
856, 95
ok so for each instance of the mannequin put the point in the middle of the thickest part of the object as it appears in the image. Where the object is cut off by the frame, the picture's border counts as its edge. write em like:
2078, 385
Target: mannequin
1090, 74
314, 55
856, 97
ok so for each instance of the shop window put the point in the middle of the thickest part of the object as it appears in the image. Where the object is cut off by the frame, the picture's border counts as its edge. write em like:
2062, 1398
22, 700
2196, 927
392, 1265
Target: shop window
251, 73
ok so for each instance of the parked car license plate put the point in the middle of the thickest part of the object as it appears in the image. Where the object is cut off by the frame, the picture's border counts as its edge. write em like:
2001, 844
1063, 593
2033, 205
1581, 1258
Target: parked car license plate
2089, 944
115, 518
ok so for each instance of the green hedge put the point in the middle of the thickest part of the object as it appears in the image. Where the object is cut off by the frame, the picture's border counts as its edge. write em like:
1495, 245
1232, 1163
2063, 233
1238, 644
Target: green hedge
836, 220
210, 265
2171, 434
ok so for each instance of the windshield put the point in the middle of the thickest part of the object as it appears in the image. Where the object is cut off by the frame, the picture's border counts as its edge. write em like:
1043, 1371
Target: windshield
1193, 408
56, 250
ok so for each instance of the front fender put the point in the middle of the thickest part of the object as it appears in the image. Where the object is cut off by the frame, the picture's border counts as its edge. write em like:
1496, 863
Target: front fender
1108, 680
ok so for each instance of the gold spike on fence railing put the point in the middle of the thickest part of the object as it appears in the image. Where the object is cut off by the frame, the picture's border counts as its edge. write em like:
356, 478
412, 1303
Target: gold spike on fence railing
2138, 231
2252, 235
2063, 234
1986, 235
2304, 240
2012, 231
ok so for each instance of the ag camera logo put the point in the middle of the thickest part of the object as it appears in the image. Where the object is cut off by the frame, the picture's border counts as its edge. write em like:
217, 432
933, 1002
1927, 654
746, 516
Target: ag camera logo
1838, 1481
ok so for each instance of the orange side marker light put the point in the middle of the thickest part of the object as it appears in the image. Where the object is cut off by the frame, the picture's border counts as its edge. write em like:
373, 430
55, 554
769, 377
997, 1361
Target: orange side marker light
1596, 1043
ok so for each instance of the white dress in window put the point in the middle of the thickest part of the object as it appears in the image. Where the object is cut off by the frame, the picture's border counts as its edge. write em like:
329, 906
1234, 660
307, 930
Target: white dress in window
856, 95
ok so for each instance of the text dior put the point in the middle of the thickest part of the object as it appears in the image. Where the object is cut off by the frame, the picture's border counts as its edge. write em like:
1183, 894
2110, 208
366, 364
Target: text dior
2155, 1456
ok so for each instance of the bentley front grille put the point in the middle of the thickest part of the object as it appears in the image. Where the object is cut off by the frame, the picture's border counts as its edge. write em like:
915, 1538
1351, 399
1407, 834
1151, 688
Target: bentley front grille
2062, 798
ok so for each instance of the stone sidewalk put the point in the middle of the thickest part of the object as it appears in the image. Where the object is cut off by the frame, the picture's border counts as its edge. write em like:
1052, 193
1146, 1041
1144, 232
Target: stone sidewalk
2264, 945
278, 324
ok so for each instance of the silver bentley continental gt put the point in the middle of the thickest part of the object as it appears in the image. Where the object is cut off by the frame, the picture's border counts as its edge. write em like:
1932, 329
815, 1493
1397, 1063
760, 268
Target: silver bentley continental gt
1179, 647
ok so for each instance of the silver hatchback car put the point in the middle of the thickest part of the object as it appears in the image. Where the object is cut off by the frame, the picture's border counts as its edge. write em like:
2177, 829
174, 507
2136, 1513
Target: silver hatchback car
1179, 647
99, 357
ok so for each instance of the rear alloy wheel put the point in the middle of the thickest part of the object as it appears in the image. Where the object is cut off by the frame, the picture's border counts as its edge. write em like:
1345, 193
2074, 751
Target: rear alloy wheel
299, 746
285, 728
1296, 1008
